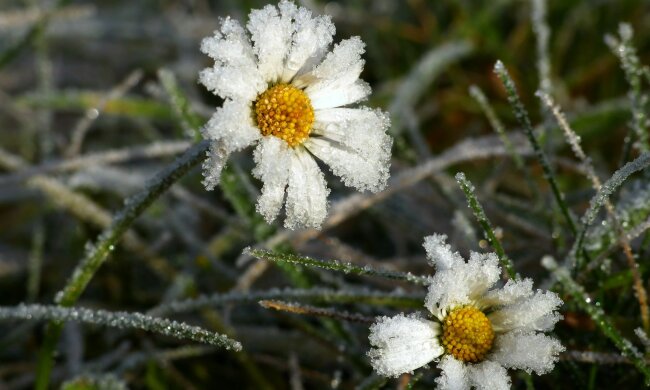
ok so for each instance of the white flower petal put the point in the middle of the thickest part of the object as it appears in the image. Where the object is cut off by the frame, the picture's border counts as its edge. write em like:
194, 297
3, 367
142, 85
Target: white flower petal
354, 170
335, 82
526, 351
533, 313
232, 124
462, 284
310, 42
306, 204
439, 253
231, 82
342, 66
512, 292
273, 159
488, 272
454, 376
336, 96
229, 44
361, 129
271, 35
489, 376
213, 165
234, 74
402, 344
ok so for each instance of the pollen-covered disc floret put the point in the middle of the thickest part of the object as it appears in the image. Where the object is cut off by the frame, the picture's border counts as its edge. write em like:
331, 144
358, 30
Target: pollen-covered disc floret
284, 111
467, 334
294, 96
474, 330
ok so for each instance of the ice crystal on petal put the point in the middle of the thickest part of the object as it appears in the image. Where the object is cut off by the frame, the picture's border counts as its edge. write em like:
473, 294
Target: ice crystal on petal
307, 193
463, 283
234, 74
213, 165
440, 254
273, 159
355, 170
489, 375
454, 375
310, 41
533, 313
342, 66
512, 292
232, 125
403, 344
527, 351
271, 35
336, 96
362, 130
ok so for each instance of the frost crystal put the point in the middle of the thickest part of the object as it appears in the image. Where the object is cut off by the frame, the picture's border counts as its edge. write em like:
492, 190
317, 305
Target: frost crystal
403, 344
477, 331
286, 45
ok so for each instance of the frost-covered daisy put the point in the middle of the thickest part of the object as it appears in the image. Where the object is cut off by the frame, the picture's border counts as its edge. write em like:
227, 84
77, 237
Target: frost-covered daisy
474, 333
287, 93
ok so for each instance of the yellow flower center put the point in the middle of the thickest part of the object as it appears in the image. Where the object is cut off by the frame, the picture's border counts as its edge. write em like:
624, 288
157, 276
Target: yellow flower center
467, 334
284, 111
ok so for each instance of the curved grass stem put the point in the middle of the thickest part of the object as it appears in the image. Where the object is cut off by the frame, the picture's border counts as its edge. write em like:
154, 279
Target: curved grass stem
105, 244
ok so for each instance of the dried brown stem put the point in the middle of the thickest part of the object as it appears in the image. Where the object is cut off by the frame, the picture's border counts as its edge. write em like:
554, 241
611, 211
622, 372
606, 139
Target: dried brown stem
297, 308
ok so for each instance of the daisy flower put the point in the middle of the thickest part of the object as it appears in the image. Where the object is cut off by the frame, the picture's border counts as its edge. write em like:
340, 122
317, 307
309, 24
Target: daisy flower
286, 93
475, 332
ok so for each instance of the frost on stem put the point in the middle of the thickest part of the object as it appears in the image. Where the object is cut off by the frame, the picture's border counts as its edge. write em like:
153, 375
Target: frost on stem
634, 72
632, 211
121, 320
596, 312
602, 196
542, 33
97, 253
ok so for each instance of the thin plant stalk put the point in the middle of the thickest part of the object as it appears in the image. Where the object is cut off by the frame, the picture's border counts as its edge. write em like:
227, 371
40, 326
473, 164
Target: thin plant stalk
482, 219
574, 142
499, 128
121, 320
297, 308
598, 315
607, 189
105, 244
630, 63
335, 265
522, 116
